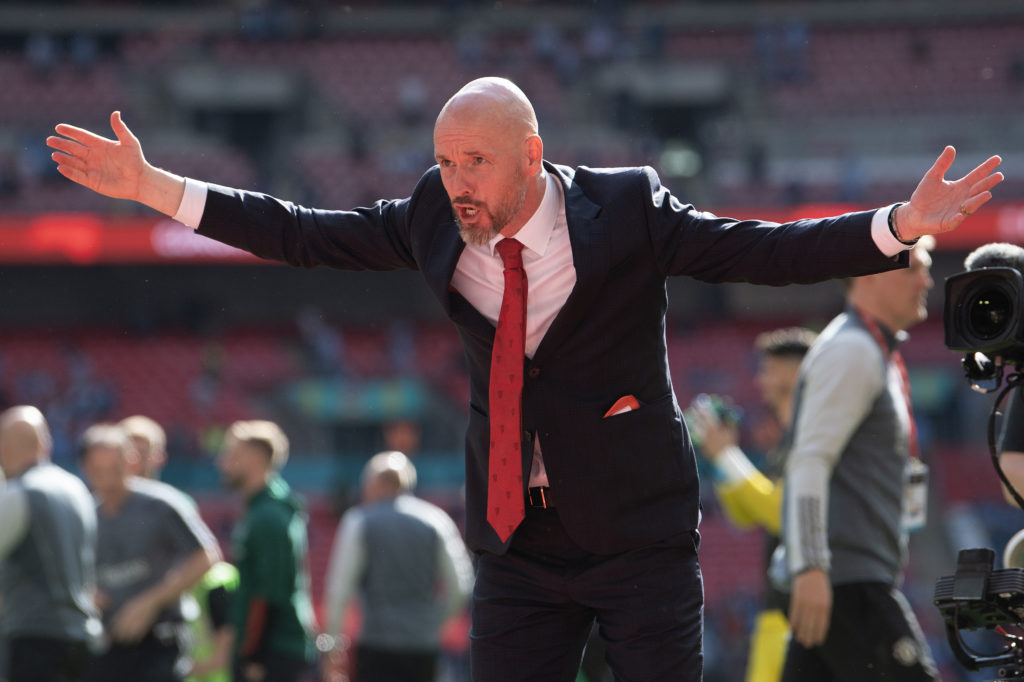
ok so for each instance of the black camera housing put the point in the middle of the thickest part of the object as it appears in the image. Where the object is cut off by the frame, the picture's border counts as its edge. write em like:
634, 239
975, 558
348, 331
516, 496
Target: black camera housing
983, 312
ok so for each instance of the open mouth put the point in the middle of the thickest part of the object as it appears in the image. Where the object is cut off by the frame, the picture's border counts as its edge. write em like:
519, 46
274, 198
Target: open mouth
467, 213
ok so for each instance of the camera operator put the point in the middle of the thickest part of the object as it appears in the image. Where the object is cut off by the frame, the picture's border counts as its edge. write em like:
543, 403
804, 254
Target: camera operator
1011, 446
846, 512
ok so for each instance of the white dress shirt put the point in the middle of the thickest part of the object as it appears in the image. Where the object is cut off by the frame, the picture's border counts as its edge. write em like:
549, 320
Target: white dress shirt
547, 259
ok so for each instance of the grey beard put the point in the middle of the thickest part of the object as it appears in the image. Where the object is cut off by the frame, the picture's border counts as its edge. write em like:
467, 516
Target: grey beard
476, 237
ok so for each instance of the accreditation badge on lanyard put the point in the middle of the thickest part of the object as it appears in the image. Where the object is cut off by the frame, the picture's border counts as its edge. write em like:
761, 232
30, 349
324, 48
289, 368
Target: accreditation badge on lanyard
915, 476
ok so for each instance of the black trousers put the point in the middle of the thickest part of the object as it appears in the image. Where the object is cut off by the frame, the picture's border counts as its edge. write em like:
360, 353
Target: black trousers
872, 635
42, 659
534, 607
375, 664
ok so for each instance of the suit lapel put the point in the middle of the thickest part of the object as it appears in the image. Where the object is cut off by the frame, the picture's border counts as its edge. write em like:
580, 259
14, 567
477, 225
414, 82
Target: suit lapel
589, 240
442, 257
438, 269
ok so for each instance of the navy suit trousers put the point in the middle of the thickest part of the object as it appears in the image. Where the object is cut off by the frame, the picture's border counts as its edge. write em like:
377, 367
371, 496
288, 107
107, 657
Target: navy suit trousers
534, 607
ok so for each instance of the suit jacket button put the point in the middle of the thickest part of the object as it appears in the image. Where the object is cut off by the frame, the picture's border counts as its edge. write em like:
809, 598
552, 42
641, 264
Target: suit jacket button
534, 372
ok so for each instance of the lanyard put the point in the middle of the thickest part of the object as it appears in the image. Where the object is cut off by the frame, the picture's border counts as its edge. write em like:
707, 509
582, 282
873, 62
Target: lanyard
897, 359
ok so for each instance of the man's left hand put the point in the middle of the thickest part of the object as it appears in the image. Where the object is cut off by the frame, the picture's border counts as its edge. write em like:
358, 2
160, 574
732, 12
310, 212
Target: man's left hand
939, 205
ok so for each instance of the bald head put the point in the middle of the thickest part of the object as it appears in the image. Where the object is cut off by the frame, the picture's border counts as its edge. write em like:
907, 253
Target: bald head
491, 159
388, 474
496, 103
24, 439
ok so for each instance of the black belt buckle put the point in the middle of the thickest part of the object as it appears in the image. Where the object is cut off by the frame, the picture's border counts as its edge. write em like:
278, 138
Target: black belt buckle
540, 497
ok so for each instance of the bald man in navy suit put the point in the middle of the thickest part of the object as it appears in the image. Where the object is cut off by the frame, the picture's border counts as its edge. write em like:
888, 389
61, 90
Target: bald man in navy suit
607, 485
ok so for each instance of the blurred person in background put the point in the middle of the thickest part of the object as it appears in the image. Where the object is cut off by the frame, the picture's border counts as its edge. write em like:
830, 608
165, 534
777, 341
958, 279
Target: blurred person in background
153, 548
150, 443
591, 470
208, 611
47, 556
855, 487
272, 613
751, 497
405, 560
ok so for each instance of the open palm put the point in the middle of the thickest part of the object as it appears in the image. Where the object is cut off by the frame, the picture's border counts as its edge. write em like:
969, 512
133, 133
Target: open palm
113, 168
939, 205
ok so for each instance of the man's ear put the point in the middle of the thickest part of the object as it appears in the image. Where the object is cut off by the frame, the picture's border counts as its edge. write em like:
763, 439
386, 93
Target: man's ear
534, 153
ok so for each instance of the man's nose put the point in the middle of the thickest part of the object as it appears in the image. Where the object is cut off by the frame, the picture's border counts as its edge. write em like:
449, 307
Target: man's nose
460, 184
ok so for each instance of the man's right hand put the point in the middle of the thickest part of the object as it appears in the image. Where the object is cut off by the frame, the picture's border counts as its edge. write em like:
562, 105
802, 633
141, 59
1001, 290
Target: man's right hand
114, 168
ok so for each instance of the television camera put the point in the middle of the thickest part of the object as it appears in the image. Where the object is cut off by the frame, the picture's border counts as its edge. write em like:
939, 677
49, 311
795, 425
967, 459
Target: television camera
984, 320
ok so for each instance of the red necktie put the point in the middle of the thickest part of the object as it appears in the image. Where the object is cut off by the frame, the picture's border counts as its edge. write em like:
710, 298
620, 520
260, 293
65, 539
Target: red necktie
505, 467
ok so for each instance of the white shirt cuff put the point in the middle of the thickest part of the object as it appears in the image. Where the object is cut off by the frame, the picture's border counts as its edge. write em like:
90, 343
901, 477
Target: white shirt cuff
193, 203
880, 232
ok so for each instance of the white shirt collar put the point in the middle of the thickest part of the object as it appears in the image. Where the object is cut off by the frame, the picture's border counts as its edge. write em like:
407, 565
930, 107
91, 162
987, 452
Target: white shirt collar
536, 233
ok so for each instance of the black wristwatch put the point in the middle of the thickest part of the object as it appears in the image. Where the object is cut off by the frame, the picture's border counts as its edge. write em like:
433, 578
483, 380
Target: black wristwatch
892, 226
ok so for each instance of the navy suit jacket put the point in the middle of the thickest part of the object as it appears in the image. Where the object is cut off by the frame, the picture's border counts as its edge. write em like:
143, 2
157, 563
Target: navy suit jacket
620, 482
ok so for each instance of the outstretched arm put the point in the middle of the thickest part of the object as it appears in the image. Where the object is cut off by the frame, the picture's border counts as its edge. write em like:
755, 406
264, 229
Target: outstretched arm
939, 205
115, 168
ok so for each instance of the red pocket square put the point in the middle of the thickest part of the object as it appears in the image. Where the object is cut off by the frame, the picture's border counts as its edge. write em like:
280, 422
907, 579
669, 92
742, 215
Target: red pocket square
626, 403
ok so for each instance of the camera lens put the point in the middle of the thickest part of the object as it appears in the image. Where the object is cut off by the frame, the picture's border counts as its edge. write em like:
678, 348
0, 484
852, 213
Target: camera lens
989, 313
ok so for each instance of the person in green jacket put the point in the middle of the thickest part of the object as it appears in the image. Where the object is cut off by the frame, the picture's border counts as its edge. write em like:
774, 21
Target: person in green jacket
272, 611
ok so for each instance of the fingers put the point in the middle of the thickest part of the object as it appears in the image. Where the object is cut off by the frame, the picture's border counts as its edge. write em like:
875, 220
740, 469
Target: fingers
72, 174
812, 635
986, 183
983, 171
980, 191
943, 163
80, 135
71, 166
89, 139
810, 628
124, 135
982, 178
972, 204
65, 145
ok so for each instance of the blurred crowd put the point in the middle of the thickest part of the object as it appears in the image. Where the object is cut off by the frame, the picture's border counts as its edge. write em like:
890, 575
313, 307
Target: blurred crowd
129, 582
